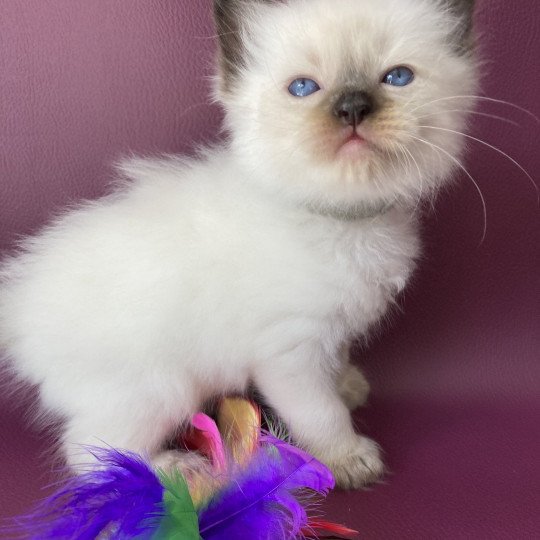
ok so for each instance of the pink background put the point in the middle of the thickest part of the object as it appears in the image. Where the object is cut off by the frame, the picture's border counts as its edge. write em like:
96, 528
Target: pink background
455, 376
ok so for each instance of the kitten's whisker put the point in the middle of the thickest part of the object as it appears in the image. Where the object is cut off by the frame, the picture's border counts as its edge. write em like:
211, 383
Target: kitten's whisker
502, 118
215, 36
420, 175
482, 98
398, 165
462, 167
187, 110
494, 148
408, 164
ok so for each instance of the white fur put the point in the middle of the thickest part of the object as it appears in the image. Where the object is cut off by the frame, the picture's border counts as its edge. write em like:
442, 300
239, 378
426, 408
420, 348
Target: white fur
199, 277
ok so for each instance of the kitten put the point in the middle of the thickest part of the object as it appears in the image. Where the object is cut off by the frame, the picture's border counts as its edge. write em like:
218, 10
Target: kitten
258, 262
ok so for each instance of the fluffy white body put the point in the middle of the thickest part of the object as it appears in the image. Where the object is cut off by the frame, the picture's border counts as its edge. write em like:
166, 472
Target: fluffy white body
132, 312
200, 277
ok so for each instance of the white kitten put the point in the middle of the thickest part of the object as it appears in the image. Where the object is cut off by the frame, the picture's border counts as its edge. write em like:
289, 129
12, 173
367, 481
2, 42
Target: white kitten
260, 261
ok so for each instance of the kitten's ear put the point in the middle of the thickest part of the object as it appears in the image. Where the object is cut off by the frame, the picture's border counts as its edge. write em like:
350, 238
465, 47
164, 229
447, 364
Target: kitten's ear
464, 9
231, 18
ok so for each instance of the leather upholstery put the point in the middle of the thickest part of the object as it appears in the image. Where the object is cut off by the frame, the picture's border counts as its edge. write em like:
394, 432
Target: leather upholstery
455, 376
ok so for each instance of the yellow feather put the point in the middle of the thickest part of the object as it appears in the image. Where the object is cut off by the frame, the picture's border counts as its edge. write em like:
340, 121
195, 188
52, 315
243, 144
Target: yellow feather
239, 422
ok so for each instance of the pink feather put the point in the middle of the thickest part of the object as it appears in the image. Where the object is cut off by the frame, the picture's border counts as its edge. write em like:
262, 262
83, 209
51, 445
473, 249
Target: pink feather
212, 439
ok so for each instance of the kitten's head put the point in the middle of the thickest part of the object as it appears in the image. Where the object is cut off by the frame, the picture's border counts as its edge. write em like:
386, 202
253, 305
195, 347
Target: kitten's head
347, 102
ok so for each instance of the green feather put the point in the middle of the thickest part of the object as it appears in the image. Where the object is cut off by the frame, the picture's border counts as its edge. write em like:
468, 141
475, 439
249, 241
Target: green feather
181, 521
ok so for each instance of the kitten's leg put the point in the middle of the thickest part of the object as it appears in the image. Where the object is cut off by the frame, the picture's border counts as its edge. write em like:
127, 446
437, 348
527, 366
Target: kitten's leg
303, 393
353, 387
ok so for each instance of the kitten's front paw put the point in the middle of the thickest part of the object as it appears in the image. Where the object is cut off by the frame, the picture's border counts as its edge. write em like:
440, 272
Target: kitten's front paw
359, 467
202, 479
189, 464
353, 387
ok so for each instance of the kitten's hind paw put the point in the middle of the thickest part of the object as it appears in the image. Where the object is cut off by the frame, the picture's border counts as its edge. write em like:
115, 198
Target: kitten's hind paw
353, 387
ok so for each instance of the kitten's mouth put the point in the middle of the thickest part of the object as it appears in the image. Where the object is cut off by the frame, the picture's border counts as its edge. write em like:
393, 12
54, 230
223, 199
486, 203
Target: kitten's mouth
354, 145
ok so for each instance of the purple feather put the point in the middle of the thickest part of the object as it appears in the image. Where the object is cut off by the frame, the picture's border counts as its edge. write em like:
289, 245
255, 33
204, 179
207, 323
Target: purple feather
121, 498
262, 503
316, 476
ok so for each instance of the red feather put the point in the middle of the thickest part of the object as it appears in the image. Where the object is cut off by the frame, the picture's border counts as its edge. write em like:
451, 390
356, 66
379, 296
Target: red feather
325, 529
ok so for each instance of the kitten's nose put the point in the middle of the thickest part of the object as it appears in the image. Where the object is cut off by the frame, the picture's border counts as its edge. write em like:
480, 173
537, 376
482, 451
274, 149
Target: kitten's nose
352, 107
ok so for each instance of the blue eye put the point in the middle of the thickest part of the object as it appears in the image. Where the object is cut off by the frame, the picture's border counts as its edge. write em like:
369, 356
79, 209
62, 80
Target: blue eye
399, 76
303, 87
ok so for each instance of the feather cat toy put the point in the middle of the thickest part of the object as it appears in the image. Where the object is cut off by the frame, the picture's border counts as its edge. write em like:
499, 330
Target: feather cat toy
256, 487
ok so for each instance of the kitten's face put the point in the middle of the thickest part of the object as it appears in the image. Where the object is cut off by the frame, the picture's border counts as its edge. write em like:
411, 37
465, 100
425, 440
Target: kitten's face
315, 104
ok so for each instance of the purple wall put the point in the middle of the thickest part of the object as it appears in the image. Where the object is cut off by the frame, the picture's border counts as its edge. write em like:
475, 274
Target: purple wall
455, 377
83, 82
